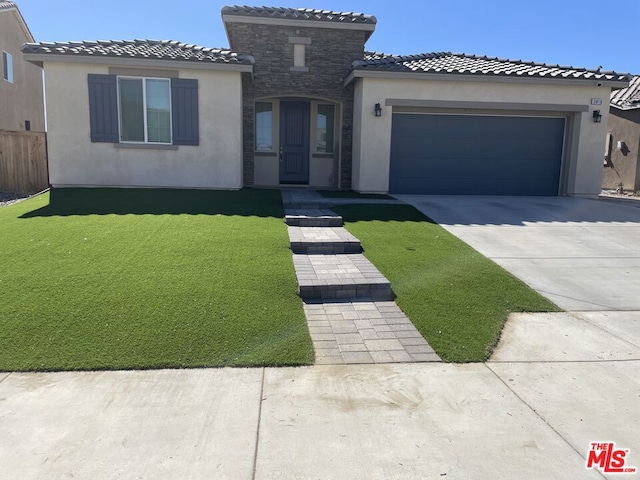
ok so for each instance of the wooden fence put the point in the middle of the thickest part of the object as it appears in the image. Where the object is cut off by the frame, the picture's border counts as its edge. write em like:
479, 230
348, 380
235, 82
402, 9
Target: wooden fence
23, 162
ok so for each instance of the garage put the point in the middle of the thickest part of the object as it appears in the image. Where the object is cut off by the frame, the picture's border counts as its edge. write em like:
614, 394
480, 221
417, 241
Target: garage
451, 154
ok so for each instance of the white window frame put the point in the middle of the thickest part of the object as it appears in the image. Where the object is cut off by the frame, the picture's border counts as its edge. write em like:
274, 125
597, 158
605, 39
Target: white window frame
273, 128
7, 72
144, 110
315, 128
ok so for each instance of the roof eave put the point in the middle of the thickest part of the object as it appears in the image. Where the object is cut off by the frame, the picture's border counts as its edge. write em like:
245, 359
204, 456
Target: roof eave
359, 73
40, 58
625, 108
21, 21
367, 27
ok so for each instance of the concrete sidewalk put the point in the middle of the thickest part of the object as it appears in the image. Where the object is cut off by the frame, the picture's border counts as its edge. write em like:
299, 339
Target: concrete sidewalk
512, 418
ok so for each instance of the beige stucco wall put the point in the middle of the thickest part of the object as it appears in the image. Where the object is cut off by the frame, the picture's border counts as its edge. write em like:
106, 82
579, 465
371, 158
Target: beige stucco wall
75, 161
624, 164
582, 168
22, 99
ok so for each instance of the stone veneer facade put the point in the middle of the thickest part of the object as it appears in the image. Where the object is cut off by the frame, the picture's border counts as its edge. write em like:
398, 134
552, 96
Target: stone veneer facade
328, 57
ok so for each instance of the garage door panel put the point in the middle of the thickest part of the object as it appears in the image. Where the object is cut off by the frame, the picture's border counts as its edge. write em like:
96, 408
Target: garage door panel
454, 185
464, 154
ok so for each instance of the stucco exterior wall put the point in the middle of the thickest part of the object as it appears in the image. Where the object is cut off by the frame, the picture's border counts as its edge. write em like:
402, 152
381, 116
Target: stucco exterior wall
624, 164
75, 161
21, 100
372, 135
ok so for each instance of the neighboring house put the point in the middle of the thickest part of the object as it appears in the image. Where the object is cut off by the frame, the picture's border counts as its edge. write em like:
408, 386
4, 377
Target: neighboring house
622, 148
21, 101
297, 101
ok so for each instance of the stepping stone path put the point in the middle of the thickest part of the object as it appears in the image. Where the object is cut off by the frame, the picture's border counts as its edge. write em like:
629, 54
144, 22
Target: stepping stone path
348, 303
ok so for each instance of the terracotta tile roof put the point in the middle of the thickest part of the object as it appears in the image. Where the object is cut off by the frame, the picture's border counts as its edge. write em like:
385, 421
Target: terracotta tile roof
627, 98
141, 49
460, 63
310, 14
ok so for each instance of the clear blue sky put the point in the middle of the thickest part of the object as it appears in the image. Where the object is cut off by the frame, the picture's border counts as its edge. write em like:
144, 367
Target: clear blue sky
582, 33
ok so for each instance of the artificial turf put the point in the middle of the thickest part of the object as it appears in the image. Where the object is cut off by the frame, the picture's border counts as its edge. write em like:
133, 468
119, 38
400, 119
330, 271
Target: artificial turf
458, 299
137, 279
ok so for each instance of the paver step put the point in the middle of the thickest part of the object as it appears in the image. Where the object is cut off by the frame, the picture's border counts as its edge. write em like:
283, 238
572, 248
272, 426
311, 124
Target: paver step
364, 332
314, 217
342, 277
323, 240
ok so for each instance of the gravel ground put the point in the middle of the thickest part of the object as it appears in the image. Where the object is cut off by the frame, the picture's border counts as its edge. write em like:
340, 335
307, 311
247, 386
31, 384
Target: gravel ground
7, 198
628, 195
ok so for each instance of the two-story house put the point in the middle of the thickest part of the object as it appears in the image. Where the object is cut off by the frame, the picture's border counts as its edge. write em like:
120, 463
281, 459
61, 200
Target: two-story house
21, 88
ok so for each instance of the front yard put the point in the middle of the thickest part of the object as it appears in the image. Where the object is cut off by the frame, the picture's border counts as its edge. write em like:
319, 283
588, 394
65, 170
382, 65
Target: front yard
118, 279
458, 299
136, 279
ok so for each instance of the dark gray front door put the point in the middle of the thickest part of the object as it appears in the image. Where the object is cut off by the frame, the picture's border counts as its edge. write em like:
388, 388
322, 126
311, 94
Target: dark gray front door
294, 142
475, 154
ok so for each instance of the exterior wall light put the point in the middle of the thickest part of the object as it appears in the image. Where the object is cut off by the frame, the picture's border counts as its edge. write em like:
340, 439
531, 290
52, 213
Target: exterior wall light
378, 110
597, 117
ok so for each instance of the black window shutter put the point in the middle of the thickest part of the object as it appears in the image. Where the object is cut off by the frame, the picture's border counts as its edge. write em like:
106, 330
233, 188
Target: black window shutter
103, 108
184, 108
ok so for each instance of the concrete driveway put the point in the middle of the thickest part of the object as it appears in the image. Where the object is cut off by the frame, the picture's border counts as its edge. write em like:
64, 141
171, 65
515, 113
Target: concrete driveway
582, 254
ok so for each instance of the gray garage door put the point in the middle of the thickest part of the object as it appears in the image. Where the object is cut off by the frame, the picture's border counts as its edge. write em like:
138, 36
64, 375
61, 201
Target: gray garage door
475, 154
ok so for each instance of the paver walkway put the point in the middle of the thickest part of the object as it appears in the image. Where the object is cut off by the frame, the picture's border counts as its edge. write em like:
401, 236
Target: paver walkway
349, 304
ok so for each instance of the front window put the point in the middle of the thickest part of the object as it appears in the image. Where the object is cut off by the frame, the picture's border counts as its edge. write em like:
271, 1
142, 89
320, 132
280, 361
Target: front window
145, 110
7, 67
264, 127
324, 129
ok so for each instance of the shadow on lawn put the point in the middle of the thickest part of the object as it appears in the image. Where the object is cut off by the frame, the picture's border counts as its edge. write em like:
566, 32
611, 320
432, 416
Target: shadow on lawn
380, 213
124, 201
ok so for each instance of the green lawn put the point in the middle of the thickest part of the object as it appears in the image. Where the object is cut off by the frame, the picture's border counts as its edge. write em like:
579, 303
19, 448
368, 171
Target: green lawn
458, 299
111, 279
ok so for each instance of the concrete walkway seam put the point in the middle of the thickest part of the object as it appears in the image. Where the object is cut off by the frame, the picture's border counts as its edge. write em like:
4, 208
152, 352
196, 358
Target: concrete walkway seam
599, 327
535, 412
255, 452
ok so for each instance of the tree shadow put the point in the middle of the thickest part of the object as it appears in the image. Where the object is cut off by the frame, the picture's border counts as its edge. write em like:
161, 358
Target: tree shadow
123, 201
